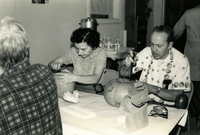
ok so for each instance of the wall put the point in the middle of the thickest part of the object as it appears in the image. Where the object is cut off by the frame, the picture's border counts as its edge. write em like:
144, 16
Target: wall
156, 17
49, 26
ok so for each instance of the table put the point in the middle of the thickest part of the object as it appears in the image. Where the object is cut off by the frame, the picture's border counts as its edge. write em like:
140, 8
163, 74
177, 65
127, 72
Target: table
104, 119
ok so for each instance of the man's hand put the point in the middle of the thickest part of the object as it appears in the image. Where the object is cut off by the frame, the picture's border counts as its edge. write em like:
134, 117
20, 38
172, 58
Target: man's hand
129, 59
145, 86
140, 85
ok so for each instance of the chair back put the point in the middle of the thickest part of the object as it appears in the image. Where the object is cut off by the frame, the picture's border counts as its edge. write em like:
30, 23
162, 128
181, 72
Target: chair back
190, 94
109, 75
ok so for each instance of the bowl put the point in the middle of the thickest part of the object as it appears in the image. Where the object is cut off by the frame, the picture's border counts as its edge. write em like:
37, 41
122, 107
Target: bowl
63, 88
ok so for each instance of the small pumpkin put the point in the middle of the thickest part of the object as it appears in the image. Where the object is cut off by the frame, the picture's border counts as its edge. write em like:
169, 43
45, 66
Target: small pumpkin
117, 89
181, 101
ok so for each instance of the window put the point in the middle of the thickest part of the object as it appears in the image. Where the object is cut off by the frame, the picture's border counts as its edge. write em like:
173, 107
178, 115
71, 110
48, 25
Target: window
105, 11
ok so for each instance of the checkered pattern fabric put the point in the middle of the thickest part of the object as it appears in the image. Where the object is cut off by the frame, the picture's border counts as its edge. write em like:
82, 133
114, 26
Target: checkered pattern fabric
28, 101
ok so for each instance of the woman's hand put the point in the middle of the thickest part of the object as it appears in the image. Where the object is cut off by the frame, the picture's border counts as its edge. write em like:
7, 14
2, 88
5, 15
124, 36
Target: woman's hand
55, 65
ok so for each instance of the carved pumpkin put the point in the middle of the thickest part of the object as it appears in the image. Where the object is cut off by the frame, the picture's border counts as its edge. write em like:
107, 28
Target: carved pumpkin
116, 90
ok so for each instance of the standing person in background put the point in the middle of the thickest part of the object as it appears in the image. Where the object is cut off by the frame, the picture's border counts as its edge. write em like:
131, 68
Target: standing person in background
88, 59
190, 21
28, 93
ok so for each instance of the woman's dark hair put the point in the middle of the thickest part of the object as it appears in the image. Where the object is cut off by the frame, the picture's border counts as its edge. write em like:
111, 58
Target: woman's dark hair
91, 37
167, 30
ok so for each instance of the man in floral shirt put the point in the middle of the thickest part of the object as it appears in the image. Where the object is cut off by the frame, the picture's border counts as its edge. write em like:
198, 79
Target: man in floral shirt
165, 71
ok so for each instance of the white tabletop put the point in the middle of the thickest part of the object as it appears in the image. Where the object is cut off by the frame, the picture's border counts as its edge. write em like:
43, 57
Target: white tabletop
100, 118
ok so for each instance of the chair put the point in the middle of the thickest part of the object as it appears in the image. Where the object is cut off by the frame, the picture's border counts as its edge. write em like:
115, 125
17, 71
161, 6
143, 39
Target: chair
189, 94
109, 75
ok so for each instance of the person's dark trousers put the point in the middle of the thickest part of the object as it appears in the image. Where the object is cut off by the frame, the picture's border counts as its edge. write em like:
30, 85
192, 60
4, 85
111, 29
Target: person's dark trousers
195, 103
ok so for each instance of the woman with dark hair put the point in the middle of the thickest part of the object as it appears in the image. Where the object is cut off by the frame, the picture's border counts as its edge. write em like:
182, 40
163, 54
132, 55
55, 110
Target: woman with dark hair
91, 37
88, 59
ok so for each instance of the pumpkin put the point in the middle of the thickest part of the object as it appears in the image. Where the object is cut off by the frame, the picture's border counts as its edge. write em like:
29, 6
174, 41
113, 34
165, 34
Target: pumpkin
116, 90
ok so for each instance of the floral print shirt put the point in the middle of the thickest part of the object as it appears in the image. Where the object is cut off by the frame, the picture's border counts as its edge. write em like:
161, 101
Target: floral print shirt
85, 66
174, 68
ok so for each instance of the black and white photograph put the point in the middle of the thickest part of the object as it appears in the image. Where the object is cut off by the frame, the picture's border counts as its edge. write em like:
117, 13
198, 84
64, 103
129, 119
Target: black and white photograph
99, 67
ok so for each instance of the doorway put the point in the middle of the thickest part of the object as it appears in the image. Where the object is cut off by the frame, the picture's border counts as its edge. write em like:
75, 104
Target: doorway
174, 10
136, 16
136, 21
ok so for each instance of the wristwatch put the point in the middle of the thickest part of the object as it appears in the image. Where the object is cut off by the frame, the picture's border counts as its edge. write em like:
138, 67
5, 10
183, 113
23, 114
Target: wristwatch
158, 90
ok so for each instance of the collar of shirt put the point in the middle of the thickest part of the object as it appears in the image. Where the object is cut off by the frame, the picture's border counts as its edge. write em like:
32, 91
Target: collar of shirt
16, 68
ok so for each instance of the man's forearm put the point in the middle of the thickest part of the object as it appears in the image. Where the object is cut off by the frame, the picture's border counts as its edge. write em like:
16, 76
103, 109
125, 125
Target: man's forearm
169, 95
